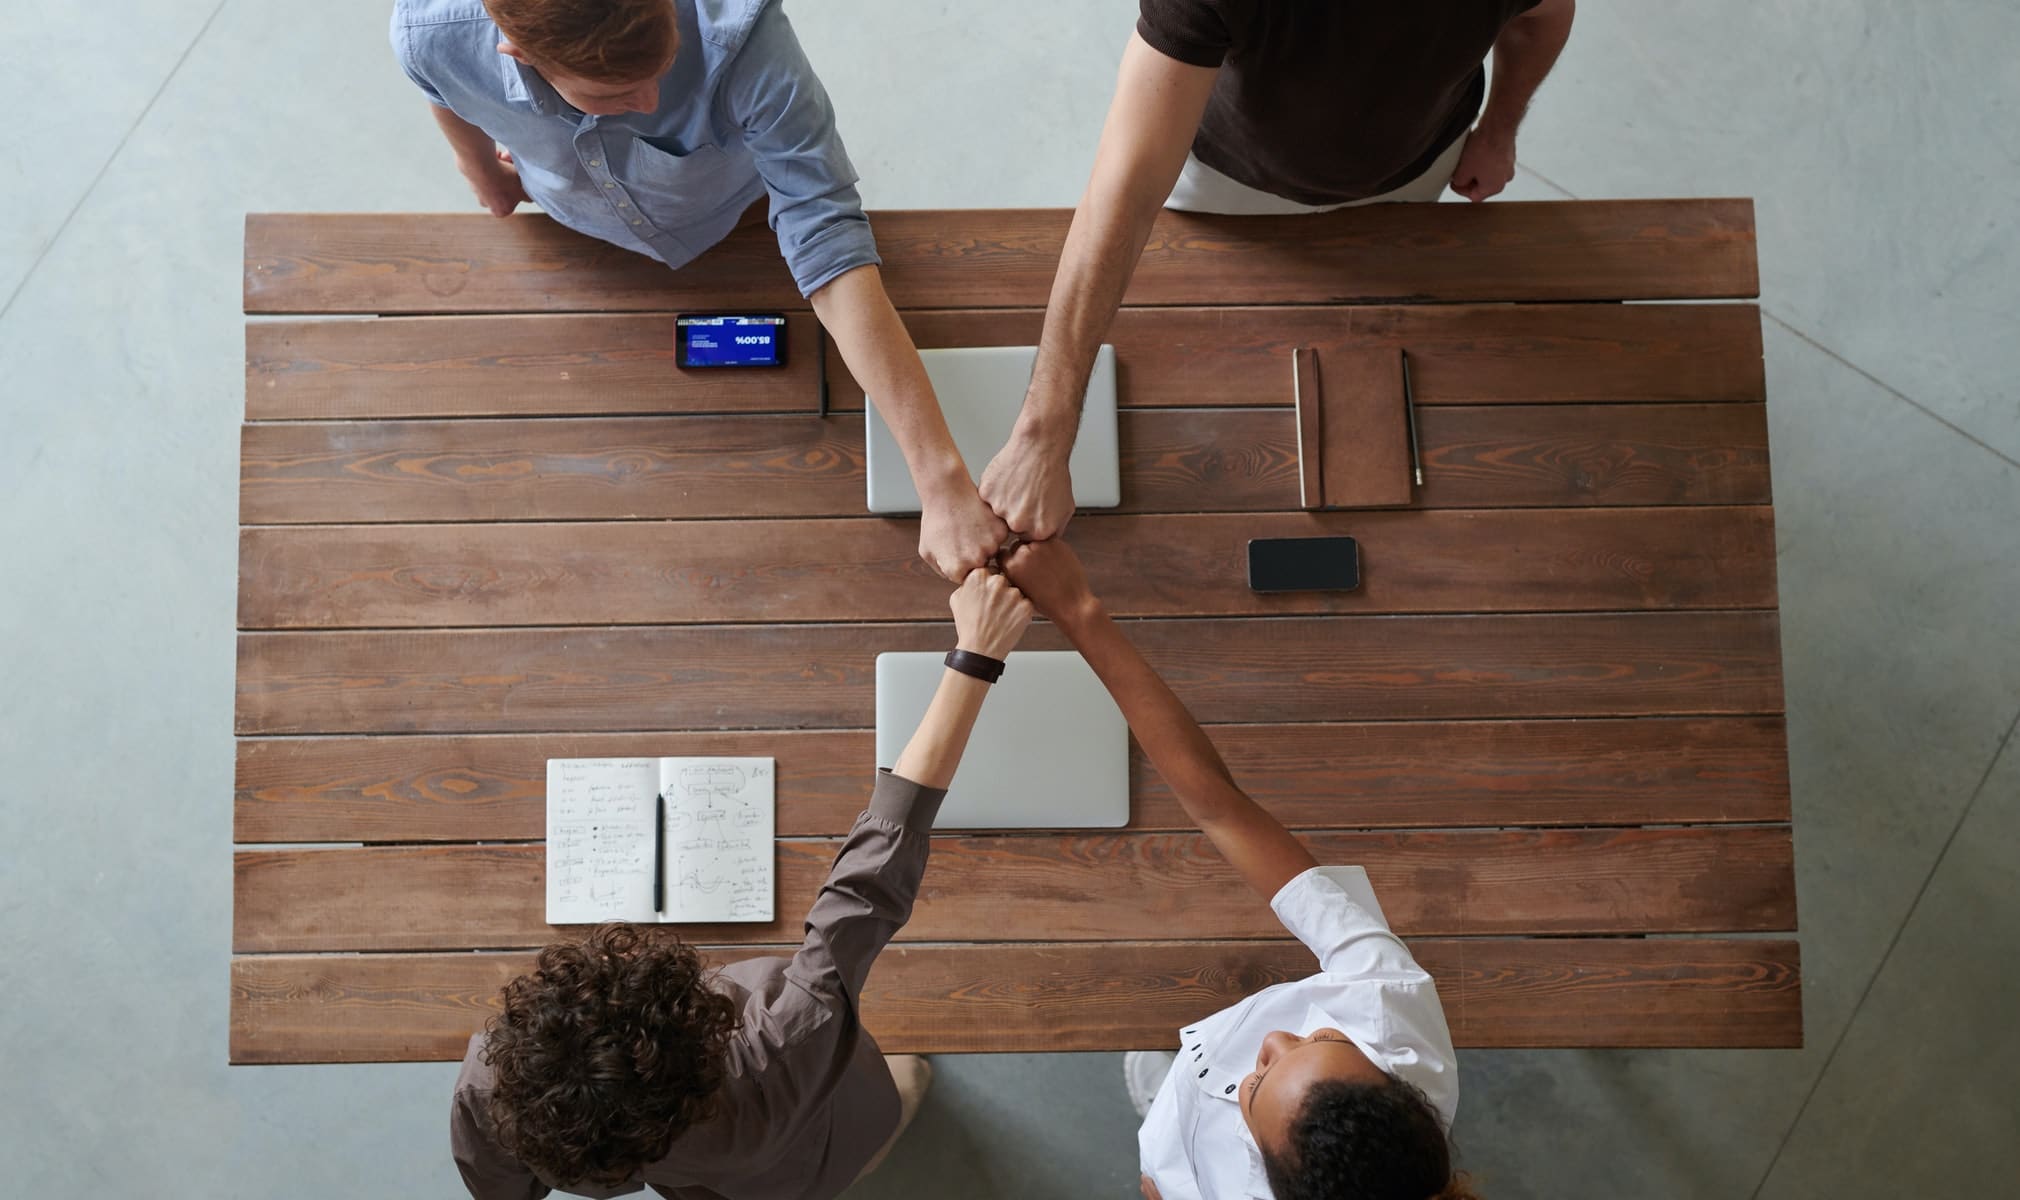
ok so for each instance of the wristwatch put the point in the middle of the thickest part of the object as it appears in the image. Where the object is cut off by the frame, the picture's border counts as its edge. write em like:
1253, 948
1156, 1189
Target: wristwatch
981, 666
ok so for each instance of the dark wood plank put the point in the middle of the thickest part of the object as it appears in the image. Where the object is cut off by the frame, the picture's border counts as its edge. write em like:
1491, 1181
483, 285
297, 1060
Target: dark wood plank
1165, 357
552, 469
1251, 671
460, 366
1172, 460
1567, 992
1399, 773
701, 572
963, 258
1046, 887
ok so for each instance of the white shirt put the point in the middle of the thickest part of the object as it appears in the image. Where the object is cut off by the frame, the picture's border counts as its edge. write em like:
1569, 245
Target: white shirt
1194, 1144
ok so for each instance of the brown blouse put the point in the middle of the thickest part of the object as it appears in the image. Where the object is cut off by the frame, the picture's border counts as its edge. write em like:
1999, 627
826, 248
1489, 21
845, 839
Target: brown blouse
807, 1100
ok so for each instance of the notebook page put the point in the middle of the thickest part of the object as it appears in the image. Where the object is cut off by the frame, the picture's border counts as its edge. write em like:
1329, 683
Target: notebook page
719, 854
599, 839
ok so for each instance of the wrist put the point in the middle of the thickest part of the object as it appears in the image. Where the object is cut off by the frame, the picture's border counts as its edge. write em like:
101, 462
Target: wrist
1496, 128
1079, 615
1050, 417
1047, 428
985, 664
942, 479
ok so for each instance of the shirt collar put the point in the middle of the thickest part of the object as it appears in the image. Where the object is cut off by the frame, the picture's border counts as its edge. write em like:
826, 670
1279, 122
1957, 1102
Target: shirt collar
523, 85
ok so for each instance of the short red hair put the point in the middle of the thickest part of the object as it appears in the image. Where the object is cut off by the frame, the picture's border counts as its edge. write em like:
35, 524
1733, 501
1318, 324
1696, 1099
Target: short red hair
607, 41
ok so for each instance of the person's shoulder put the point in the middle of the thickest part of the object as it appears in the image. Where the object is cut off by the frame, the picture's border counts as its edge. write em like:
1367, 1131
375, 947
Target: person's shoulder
727, 24
476, 1073
446, 44
414, 14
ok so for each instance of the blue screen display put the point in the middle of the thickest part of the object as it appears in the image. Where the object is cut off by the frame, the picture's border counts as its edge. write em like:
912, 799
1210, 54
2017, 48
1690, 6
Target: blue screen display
740, 341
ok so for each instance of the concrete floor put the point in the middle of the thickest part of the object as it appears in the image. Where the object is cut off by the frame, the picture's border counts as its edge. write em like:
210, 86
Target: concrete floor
1883, 144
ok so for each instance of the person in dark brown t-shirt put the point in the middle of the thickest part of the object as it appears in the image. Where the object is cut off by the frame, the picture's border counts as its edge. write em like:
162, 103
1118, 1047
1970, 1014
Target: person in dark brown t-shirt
1266, 106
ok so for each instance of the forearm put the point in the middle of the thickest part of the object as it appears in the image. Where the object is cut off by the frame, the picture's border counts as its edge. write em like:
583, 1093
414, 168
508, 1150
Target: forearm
934, 752
1102, 247
1144, 140
1162, 725
874, 343
1523, 55
471, 144
1261, 850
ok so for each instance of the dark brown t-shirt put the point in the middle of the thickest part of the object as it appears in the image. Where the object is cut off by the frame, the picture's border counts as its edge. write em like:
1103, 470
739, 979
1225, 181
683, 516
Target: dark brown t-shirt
1322, 101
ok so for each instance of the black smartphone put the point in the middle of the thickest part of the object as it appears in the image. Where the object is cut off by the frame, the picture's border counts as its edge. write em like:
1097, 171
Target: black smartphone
729, 340
1314, 564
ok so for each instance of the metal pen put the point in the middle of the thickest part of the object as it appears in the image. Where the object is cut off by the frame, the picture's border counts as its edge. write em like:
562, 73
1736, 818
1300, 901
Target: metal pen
659, 853
1410, 414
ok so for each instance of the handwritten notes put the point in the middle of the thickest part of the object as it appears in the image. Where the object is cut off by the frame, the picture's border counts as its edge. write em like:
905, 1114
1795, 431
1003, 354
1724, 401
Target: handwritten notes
601, 848
719, 838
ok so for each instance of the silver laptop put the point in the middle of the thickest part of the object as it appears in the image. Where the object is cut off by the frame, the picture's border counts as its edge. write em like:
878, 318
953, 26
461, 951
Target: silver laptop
981, 390
1050, 750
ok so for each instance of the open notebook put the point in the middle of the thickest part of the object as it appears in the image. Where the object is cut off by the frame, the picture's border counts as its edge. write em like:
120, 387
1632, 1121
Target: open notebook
716, 857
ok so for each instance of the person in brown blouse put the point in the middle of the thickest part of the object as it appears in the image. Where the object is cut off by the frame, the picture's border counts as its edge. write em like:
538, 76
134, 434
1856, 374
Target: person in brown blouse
1265, 107
623, 1061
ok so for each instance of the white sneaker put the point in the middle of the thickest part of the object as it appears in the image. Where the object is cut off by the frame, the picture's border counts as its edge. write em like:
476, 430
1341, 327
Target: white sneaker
1143, 1072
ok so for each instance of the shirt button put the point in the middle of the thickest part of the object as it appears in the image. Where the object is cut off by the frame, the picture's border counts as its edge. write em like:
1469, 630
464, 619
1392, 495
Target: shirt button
636, 221
595, 162
609, 185
624, 204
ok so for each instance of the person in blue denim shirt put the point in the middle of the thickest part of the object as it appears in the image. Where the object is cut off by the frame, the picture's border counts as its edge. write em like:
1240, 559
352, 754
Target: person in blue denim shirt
658, 125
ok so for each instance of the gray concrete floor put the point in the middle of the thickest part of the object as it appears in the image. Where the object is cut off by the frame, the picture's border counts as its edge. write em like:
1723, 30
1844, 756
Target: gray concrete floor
1883, 143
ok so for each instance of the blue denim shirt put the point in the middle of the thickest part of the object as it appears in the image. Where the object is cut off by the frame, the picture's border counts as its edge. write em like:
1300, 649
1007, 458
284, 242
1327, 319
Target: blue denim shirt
741, 114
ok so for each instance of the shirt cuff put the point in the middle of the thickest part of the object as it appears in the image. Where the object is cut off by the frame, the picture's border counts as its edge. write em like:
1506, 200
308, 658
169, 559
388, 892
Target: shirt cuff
1309, 901
902, 802
841, 247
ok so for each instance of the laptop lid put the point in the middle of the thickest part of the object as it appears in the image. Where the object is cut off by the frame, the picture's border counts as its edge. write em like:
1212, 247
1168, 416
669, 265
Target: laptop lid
1050, 750
981, 390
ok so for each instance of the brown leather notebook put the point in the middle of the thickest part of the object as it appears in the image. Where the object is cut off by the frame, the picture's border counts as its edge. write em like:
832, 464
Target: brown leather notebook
1364, 433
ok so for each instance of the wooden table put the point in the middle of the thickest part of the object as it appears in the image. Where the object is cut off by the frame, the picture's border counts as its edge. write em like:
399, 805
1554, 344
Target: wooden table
495, 525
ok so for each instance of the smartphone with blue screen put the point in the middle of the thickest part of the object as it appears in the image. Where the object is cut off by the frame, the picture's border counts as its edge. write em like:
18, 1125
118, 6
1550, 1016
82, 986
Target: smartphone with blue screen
729, 340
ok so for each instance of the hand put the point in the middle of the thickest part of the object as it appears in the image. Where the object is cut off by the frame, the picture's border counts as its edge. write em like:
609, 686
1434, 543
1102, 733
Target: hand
957, 532
1030, 487
989, 614
1148, 1188
496, 183
1485, 165
1050, 574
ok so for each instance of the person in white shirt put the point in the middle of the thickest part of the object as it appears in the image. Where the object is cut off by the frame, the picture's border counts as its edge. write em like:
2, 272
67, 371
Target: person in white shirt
1342, 1084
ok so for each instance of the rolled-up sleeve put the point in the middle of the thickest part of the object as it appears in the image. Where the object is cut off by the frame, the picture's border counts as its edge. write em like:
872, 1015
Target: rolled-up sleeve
409, 58
772, 94
869, 891
1333, 911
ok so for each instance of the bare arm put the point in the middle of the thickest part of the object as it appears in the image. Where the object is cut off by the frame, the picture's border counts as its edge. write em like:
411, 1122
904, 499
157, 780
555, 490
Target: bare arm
957, 532
1151, 121
989, 617
869, 891
1255, 843
1523, 55
489, 170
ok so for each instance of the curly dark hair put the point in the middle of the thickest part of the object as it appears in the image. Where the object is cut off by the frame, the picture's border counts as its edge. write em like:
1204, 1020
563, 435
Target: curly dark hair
1357, 1141
605, 1052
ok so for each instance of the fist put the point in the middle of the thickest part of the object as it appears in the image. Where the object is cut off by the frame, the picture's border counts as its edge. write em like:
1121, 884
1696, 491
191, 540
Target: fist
958, 533
496, 184
1030, 487
990, 615
1051, 575
1485, 165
